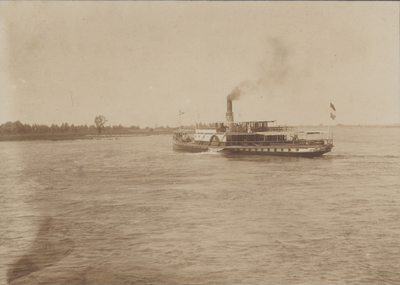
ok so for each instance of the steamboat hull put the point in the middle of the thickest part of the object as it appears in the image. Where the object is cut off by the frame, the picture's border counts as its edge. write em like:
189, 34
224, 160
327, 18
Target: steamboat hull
288, 150
278, 152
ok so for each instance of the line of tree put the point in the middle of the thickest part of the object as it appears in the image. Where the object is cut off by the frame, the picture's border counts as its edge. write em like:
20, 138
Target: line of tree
18, 128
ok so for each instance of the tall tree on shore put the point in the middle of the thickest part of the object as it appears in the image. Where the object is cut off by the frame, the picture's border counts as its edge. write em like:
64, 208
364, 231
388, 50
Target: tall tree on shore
99, 121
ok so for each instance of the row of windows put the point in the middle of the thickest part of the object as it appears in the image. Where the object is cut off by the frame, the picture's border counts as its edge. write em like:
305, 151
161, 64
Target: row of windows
263, 149
255, 137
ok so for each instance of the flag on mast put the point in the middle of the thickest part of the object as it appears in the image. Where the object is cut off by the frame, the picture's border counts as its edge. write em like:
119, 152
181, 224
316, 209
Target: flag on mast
333, 112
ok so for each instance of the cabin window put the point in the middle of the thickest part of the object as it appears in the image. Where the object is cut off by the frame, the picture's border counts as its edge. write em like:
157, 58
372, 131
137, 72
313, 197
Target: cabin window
281, 149
268, 149
253, 149
274, 149
241, 149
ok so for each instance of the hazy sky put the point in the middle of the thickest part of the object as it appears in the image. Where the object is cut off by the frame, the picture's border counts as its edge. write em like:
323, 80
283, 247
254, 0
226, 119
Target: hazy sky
138, 63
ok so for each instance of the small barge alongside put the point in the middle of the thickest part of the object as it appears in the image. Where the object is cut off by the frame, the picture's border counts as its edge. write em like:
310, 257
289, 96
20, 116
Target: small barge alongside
253, 138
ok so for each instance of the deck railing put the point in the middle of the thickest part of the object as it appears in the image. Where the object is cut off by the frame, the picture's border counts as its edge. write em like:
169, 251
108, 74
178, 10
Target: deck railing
240, 129
266, 143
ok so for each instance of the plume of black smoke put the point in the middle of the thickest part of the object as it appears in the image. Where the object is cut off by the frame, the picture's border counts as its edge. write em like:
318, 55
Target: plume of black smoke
235, 94
274, 71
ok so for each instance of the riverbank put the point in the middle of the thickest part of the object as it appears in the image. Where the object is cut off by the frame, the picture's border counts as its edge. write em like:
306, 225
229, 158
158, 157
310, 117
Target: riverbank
61, 137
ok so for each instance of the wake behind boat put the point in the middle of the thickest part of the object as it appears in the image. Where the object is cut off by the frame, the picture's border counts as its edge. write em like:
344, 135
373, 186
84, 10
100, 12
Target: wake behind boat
253, 138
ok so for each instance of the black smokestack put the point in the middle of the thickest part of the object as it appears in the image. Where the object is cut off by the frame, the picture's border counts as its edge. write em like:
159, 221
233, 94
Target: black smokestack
229, 114
234, 95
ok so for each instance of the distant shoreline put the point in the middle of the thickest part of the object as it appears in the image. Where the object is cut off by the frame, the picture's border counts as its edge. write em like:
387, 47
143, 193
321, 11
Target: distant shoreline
348, 126
136, 133
64, 137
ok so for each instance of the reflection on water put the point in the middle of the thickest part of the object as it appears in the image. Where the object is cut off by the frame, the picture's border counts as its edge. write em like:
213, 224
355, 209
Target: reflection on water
134, 211
46, 250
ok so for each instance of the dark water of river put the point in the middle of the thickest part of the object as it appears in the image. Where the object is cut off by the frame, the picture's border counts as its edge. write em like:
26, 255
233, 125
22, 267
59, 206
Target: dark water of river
134, 211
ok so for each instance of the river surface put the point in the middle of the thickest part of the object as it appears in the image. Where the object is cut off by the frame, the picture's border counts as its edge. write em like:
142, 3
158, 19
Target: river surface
133, 210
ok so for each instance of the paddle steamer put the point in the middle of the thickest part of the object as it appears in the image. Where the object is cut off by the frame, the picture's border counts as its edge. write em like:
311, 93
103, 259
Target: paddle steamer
253, 138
